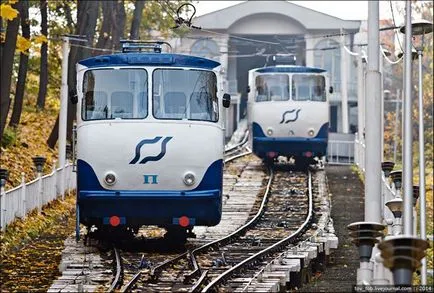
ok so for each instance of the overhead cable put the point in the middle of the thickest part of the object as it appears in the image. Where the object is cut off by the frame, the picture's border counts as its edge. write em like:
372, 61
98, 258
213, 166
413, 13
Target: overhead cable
387, 58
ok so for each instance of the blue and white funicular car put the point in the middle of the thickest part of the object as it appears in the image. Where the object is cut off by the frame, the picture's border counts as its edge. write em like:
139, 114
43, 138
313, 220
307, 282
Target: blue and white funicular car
288, 113
150, 141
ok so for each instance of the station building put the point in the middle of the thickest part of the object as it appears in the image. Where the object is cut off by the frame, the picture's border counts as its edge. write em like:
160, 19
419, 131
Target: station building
241, 37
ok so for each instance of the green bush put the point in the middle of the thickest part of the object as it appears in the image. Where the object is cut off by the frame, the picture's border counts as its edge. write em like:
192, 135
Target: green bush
9, 137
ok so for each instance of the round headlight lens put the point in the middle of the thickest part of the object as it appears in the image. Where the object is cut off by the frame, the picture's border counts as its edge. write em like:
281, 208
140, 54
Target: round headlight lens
110, 179
270, 131
189, 179
311, 132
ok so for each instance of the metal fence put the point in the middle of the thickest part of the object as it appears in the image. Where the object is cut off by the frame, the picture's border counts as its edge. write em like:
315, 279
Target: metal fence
359, 152
340, 152
387, 188
19, 201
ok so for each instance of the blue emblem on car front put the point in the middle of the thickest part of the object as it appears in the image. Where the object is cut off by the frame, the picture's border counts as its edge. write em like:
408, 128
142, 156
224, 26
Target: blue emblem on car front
151, 158
286, 120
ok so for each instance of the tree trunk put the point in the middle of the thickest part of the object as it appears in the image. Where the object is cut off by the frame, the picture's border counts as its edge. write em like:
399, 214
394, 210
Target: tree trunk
1, 30
137, 18
43, 74
87, 14
106, 27
22, 72
118, 25
6, 67
68, 16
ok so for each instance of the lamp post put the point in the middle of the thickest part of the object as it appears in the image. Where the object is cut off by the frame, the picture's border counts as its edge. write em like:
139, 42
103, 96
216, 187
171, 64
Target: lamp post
387, 54
396, 129
387, 167
421, 27
403, 253
39, 163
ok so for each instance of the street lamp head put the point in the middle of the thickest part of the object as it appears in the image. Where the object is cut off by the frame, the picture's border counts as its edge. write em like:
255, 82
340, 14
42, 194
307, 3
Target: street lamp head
419, 27
396, 178
364, 235
39, 163
387, 167
4, 174
395, 206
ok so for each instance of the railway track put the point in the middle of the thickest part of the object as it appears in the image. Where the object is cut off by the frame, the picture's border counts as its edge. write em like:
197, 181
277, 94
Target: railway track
285, 209
223, 256
231, 154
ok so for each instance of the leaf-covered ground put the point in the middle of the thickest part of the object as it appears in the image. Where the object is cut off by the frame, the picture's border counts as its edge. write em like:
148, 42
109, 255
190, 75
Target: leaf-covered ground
31, 249
29, 141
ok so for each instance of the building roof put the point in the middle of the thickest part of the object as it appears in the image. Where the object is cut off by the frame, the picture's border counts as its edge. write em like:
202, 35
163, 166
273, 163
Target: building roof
310, 19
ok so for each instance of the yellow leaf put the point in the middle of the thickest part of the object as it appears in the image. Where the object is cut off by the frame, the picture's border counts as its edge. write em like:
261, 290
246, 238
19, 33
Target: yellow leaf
40, 39
13, 1
23, 45
7, 12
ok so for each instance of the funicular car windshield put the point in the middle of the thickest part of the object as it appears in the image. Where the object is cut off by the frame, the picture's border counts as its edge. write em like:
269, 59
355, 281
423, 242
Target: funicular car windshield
308, 87
185, 94
272, 87
112, 94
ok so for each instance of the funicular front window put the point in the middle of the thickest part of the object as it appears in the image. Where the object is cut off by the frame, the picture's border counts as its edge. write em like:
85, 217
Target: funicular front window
115, 93
307, 87
272, 87
185, 94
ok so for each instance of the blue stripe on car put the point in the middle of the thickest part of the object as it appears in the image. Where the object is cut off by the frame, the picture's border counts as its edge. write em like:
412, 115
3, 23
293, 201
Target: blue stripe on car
151, 59
291, 68
87, 179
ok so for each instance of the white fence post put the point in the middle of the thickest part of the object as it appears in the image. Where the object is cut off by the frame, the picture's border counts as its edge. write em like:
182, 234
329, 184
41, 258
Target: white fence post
16, 202
23, 196
2, 206
39, 195
62, 182
56, 187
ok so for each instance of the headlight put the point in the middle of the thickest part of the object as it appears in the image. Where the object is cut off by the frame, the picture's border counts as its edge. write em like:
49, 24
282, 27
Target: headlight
189, 179
270, 131
110, 178
311, 132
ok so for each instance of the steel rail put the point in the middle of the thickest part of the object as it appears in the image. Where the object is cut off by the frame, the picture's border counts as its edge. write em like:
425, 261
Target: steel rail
240, 230
242, 142
238, 156
133, 280
222, 277
118, 270
159, 267
196, 286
